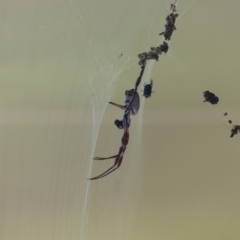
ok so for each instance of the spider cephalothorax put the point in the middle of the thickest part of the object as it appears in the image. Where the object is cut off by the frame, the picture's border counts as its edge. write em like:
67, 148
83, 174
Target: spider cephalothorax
132, 109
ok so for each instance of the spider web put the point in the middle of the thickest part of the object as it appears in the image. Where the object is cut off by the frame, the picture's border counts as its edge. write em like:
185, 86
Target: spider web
136, 133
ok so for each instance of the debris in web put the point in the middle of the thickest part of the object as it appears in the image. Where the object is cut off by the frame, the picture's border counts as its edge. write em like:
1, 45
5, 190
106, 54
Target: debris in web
213, 99
120, 55
210, 97
235, 130
153, 53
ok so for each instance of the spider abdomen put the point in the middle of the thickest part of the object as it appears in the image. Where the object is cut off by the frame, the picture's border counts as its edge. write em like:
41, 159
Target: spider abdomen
136, 102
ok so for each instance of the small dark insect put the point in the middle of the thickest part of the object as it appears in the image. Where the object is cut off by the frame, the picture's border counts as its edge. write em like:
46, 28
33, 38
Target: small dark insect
225, 114
147, 89
235, 130
210, 97
230, 121
120, 55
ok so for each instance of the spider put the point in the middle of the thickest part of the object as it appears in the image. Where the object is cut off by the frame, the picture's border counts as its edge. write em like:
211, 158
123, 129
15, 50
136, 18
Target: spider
131, 107
147, 89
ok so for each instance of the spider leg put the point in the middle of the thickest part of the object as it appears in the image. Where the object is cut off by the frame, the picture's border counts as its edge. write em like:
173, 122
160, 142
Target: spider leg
100, 158
140, 76
118, 105
116, 165
103, 174
110, 170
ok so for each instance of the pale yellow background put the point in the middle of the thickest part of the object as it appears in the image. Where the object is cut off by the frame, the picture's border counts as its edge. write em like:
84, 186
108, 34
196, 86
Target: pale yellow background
60, 65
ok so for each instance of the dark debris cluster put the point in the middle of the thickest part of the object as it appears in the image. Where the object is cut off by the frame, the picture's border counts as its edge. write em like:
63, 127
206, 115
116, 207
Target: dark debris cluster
213, 99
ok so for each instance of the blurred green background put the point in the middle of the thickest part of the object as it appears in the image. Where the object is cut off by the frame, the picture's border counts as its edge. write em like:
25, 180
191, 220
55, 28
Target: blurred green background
60, 66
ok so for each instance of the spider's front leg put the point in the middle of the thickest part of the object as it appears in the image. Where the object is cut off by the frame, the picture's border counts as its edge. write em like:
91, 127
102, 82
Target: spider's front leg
118, 105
